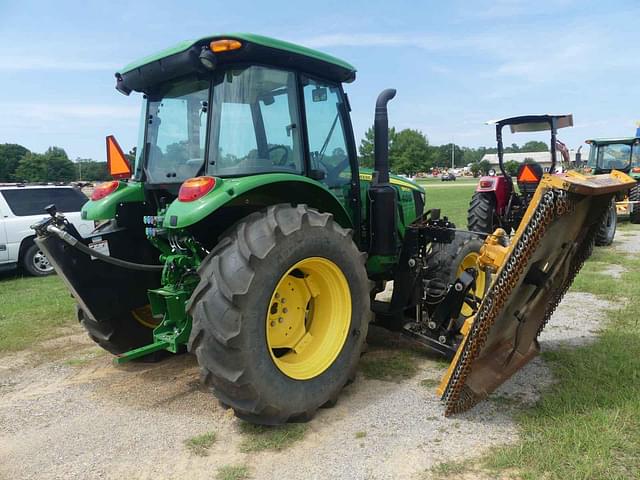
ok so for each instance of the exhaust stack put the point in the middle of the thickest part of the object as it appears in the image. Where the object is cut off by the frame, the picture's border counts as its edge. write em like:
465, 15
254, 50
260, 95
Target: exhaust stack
382, 196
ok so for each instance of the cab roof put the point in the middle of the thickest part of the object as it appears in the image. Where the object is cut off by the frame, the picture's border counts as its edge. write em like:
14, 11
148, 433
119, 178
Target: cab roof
534, 123
182, 59
609, 141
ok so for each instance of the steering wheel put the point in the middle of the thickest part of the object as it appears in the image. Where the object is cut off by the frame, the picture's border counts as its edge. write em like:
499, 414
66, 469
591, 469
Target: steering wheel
334, 171
285, 155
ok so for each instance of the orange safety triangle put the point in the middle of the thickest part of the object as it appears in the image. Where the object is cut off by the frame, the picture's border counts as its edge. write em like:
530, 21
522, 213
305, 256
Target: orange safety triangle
117, 163
527, 175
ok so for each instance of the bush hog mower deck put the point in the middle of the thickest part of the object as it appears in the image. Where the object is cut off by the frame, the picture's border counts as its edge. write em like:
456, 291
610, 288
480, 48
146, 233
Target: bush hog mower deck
247, 233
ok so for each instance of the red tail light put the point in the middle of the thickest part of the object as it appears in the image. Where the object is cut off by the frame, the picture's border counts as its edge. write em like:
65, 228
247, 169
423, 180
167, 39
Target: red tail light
486, 183
195, 188
635, 169
104, 189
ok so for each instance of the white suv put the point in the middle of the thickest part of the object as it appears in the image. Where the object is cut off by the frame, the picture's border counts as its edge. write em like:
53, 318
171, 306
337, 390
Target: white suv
23, 205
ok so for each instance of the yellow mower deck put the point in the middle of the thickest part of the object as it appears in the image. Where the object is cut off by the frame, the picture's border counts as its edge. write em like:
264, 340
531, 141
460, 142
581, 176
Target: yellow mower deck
531, 276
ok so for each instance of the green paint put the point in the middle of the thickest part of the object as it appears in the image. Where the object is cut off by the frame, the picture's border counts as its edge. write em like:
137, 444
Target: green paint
105, 208
256, 190
247, 37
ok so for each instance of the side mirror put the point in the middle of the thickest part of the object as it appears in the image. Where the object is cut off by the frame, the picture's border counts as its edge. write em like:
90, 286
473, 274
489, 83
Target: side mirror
117, 164
319, 94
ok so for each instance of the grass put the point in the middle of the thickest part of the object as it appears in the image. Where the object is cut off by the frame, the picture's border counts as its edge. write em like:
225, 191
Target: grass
261, 437
33, 309
430, 383
389, 365
452, 200
200, 444
233, 472
450, 469
588, 425
361, 434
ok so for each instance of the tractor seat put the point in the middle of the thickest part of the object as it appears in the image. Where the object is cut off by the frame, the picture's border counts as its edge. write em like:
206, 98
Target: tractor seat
529, 175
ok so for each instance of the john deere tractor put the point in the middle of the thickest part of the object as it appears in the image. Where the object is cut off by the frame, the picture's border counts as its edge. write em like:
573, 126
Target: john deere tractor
246, 233
623, 154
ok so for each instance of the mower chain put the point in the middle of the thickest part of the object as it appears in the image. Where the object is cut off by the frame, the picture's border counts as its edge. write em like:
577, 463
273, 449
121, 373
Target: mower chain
554, 204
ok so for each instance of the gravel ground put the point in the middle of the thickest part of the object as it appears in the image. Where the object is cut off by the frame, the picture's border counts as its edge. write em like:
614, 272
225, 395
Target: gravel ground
74, 415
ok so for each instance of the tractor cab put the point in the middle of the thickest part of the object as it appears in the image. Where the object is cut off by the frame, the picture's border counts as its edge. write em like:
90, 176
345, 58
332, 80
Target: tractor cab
607, 154
496, 202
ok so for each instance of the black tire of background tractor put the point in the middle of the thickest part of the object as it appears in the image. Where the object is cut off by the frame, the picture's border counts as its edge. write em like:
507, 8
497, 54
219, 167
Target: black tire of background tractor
481, 215
35, 263
229, 311
634, 196
607, 230
119, 334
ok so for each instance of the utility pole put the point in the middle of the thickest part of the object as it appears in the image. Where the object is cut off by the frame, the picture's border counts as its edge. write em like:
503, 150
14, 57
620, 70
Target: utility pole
453, 159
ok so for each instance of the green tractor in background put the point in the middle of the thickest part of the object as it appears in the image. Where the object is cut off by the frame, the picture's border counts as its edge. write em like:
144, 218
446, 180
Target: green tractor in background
622, 154
273, 243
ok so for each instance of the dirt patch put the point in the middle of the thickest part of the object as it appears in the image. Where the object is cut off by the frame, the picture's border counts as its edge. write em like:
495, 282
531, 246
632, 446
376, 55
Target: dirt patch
95, 420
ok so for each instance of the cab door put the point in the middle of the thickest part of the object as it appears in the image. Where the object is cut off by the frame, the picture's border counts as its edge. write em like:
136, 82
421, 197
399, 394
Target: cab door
331, 153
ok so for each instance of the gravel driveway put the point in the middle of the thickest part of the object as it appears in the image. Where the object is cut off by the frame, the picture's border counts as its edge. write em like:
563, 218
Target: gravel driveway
66, 412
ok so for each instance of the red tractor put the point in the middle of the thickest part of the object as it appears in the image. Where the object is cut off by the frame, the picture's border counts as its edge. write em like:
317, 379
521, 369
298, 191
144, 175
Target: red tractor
496, 203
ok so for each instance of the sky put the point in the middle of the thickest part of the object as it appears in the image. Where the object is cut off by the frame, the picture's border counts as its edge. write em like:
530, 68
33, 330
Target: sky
455, 64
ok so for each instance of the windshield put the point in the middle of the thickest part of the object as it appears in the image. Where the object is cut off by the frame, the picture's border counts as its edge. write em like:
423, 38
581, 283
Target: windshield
609, 157
176, 131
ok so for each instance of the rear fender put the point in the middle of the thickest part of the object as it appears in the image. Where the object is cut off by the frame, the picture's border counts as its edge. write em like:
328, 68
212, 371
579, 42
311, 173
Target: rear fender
257, 192
500, 186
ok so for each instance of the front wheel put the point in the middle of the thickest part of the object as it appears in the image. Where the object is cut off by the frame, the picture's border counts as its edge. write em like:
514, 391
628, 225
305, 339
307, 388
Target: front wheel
280, 314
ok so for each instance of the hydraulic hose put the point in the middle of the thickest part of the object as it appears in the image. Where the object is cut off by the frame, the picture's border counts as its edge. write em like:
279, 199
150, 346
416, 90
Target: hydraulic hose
71, 240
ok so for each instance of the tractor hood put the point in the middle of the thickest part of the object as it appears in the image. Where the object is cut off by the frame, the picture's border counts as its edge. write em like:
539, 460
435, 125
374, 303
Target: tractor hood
184, 58
554, 239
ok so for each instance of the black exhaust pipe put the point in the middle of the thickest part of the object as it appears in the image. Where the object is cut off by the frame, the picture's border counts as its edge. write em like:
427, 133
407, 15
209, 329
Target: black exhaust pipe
382, 196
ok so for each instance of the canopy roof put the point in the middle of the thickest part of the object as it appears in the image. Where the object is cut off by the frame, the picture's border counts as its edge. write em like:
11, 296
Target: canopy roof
609, 141
534, 123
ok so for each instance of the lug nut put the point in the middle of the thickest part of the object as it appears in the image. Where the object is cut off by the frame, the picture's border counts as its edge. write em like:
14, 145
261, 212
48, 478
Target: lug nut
285, 310
284, 300
273, 323
280, 319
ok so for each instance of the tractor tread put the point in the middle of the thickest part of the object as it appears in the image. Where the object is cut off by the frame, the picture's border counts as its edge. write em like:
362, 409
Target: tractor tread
634, 196
481, 212
220, 332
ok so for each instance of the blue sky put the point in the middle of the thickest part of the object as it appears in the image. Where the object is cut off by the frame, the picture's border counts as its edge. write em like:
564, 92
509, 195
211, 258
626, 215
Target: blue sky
455, 64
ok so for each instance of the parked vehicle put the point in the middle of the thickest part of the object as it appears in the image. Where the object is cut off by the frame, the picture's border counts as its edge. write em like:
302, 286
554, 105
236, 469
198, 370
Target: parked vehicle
23, 205
448, 177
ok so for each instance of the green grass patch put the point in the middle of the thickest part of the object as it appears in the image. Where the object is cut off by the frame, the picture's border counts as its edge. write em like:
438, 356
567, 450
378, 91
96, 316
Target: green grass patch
453, 201
262, 437
450, 469
389, 365
430, 383
233, 472
33, 309
200, 444
361, 434
588, 425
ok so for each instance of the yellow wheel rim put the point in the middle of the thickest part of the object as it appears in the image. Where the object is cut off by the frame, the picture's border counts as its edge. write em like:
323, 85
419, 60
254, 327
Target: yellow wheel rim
308, 318
471, 261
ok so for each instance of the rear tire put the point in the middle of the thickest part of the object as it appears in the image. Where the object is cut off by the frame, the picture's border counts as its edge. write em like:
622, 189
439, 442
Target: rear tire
232, 305
35, 262
634, 196
481, 216
607, 231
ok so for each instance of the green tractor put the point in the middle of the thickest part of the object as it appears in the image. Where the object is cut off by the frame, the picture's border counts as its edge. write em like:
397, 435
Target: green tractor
622, 154
246, 233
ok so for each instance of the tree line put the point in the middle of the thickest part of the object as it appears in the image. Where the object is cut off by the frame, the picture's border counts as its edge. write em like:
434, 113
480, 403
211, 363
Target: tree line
410, 153
19, 164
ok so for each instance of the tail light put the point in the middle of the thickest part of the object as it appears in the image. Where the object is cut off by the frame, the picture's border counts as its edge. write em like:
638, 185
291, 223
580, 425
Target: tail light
486, 183
635, 169
195, 188
104, 189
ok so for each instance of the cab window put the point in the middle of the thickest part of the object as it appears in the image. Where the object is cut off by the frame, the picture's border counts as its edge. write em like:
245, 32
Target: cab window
327, 140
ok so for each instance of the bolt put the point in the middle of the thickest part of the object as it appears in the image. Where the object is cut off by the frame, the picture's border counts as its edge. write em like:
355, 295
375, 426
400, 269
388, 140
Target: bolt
442, 339
277, 295
285, 310
458, 287
280, 319
284, 300
412, 262
431, 325
273, 323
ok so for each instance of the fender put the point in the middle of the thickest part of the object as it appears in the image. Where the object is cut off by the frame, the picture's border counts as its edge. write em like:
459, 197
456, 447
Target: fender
257, 191
105, 208
500, 186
